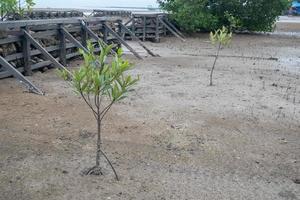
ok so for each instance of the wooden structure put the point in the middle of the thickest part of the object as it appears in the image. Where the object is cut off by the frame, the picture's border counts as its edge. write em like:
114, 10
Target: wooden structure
111, 13
44, 14
33, 44
151, 26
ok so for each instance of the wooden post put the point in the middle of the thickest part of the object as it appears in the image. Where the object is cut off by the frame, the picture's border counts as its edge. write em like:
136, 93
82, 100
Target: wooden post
157, 38
144, 28
104, 33
44, 51
84, 36
120, 31
62, 46
133, 25
26, 54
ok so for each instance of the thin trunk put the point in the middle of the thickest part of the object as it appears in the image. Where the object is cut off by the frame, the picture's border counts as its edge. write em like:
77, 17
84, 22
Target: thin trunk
98, 153
111, 165
98, 132
214, 65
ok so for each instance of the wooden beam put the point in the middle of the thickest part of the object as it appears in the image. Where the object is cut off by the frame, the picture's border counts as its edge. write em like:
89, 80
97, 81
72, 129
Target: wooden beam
144, 28
172, 26
157, 36
73, 40
128, 22
44, 51
26, 55
138, 40
62, 47
73, 20
95, 36
171, 30
84, 36
122, 41
19, 76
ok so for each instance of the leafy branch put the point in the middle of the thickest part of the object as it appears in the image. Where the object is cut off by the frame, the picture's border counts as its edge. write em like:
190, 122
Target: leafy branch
101, 85
221, 38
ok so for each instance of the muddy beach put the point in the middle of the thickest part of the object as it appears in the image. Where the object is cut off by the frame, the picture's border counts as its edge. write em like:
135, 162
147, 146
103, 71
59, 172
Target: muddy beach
174, 138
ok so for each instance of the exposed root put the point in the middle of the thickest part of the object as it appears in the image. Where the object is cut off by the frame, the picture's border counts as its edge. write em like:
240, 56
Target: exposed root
96, 171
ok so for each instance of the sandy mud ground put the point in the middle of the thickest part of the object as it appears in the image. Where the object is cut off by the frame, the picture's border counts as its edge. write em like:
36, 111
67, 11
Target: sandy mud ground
174, 138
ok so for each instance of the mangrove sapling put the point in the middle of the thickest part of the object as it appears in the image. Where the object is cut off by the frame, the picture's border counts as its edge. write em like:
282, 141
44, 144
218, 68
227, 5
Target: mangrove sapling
220, 38
101, 85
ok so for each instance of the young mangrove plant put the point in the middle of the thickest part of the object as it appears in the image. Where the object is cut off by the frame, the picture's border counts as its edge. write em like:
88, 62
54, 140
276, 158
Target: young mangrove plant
220, 38
101, 84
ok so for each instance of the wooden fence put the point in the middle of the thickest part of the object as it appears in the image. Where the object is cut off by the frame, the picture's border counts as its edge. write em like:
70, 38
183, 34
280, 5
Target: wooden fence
32, 44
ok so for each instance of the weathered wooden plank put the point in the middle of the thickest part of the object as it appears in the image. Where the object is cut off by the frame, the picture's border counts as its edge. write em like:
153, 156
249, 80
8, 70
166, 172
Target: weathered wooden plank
44, 34
174, 28
62, 47
26, 54
144, 28
10, 39
157, 38
95, 36
37, 52
44, 51
6, 73
75, 20
128, 22
84, 36
138, 40
171, 30
122, 41
73, 40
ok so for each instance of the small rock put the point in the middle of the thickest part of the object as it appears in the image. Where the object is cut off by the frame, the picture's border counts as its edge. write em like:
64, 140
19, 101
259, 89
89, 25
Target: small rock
296, 181
85, 134
287, 195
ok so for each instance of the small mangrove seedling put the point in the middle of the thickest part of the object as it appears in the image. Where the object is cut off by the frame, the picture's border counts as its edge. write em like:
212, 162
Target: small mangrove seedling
220, 38
101, 84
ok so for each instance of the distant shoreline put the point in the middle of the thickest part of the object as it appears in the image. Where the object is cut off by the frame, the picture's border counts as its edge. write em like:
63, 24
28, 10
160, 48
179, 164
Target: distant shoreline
102, 8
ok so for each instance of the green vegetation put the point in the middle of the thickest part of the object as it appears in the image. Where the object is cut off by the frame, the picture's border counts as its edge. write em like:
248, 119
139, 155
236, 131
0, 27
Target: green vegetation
208, 15
14, 7
221, 38
100, 86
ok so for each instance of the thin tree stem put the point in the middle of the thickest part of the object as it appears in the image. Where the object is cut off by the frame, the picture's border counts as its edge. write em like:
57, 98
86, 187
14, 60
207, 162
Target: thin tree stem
109, 162
104, 112
90, 106
214, 65
99, 141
